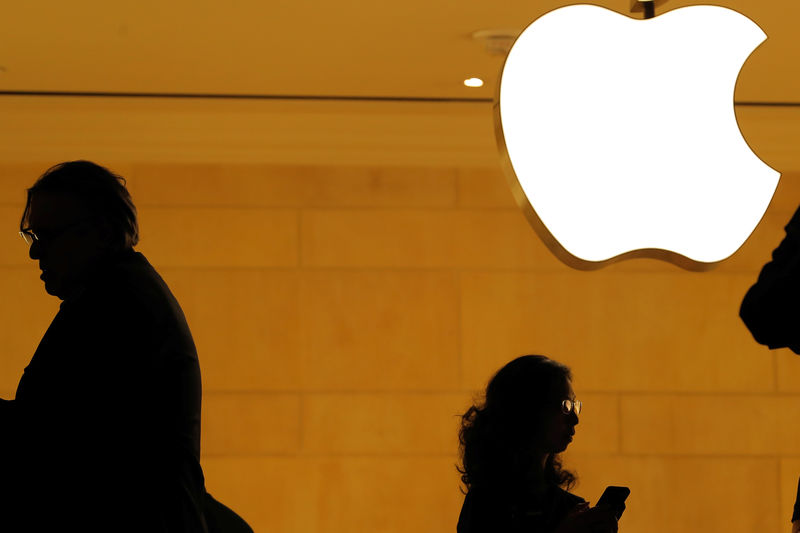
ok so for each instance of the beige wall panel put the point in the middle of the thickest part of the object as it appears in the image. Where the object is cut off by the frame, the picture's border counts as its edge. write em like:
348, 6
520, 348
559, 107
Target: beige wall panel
618, 331
710, 425
15, 178
292, 186
757, 250
598, 429
638, 265
296, 494
790, 471
788, 364
231, 131
687, 495
250, 423
422, 239
13, 250
422, 423
496, 238
245, 325
484, 187
25, 315
392, 495
488, 187
202, 237
769, 233
382, 424
379, 330
425, 423
787, 195
279, 494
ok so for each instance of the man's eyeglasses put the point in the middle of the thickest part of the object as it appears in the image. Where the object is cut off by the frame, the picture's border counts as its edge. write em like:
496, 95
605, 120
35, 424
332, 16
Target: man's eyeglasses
30, 236
571, 406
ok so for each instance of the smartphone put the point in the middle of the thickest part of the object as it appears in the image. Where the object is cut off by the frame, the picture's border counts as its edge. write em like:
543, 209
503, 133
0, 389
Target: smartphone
614, 499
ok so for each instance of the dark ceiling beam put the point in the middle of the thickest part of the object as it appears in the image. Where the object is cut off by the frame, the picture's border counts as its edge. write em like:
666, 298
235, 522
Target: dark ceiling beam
216, 96
222, 96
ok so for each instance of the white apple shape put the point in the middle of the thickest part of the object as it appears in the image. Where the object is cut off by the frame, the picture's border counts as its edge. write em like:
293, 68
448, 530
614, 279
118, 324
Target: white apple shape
621, 137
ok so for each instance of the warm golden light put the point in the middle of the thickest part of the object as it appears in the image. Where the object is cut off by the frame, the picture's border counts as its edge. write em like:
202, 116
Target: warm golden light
473, 82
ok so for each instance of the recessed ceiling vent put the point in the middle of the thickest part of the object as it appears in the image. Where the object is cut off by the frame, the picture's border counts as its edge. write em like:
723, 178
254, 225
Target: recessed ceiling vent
496, 42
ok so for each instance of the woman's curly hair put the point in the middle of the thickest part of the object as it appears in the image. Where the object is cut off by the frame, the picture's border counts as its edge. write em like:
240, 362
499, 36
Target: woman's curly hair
498, 435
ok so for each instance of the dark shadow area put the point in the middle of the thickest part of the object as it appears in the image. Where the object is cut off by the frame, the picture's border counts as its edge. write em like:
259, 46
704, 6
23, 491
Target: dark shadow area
771, 307
104, 431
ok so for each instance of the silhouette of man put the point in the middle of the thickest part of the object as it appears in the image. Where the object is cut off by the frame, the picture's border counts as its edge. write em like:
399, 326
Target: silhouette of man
771, 307
104, 430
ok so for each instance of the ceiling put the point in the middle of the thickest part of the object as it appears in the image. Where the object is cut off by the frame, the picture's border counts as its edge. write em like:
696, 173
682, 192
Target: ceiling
347, 80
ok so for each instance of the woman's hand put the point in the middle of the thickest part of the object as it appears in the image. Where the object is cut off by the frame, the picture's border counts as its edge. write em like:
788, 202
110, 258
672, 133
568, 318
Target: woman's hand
583, 519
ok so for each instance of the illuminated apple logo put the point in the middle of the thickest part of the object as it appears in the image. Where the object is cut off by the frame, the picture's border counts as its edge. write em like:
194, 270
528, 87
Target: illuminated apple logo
621, 138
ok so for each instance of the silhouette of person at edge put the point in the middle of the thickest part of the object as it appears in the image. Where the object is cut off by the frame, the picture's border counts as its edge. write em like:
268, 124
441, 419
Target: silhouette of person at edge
104, 431
771, 307
509, 446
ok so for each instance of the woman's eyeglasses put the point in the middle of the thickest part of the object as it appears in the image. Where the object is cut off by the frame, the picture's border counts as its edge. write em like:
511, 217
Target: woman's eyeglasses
571, 406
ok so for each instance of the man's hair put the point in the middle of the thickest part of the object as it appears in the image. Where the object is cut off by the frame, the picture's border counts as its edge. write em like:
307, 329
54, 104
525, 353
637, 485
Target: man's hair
101, 191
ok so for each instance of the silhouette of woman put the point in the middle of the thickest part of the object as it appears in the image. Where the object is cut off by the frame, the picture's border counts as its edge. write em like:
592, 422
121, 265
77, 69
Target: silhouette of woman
509, 448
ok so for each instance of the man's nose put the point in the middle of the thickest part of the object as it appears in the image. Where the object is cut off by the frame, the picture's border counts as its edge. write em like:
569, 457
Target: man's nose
33, 250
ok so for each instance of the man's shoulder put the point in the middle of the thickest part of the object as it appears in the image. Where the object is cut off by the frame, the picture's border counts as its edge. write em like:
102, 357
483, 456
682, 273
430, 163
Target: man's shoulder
129, 287
132, 276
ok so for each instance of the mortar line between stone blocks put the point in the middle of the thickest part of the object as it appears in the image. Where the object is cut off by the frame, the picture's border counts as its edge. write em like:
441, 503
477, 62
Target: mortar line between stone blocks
778, 477
465, 390
299, 238
329, 455
363, 392
398, 454
459, 330
619, 423
382, 268
301, 415
706, 456
457, 187
775, 377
